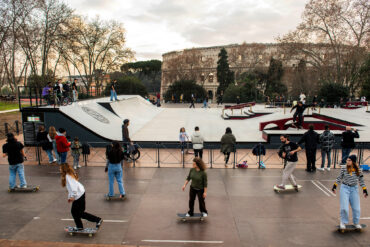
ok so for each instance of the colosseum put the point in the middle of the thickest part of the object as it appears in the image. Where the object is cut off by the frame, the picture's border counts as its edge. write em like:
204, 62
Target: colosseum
200, 64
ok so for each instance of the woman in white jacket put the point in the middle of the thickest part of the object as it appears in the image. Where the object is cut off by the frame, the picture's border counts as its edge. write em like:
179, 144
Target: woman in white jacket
76, 195
197, 140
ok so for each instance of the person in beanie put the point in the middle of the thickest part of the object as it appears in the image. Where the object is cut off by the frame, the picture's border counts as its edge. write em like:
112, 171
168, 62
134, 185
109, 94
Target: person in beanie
310, 140
14, 150
348, 142
76, 195
327, 143
198, 187
350, 176
197, 140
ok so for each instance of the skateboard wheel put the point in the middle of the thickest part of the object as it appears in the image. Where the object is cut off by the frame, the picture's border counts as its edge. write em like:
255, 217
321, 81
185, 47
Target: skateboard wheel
201, 219
71, 233
183, 220
90, 235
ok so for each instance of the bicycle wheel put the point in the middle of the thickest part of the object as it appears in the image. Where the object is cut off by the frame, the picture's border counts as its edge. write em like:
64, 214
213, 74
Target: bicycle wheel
65, 101
135, 155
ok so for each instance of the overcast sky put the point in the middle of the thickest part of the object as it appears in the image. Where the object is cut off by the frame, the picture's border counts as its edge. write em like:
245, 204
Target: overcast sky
155, 27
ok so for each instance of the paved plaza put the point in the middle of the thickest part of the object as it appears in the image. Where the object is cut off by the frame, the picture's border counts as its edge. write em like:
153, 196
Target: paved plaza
243, 209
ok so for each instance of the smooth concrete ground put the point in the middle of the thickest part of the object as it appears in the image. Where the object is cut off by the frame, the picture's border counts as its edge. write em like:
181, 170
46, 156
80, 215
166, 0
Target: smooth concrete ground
243, 209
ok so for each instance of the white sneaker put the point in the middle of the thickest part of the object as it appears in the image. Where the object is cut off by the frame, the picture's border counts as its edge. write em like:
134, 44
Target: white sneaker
328, 169
358, 226
55, 160
321, 169
24, 187
75, 167
342, 226
205, 215
187, 215
79, 166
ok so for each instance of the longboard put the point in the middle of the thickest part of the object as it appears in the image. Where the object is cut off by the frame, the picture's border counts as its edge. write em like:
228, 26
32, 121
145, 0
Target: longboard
115, 197
30, 188
351, 228
198, 216
288, 187
85, 231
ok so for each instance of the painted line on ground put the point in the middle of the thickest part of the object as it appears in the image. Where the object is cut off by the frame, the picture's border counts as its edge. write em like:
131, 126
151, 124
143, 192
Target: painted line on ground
320, 188
331, 192
365, 218
184, 241
108, 221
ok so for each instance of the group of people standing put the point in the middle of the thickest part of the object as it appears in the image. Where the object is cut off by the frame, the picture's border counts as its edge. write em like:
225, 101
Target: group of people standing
60, 90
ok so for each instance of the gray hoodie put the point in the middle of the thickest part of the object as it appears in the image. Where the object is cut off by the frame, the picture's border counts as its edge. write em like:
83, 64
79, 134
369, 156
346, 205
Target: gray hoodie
197, 140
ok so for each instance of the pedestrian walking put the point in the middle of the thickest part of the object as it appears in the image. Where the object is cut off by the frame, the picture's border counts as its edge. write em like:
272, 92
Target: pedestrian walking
348, 142
310, 140
114, 169
198, 187
76, 152
76, 195
62, 145
349, 178
13, 149
197, 140
192, 103
51, 136
228, 143
45, 143
327, 142
288, 151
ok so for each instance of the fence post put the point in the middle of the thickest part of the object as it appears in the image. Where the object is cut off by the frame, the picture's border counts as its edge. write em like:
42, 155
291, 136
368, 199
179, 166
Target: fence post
159, 158
211, 157
6, 129
183, 158
17, 127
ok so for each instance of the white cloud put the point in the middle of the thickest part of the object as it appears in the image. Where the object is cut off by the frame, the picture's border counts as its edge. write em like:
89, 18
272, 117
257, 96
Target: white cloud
158, 26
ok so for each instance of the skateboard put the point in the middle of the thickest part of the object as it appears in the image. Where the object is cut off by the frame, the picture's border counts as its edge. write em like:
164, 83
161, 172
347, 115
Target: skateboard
30, 188
288, 187
351, 228
85, 231
115, 197
195, 216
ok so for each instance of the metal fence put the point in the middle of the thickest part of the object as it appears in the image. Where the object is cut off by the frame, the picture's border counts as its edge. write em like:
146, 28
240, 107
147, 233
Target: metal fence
171, 155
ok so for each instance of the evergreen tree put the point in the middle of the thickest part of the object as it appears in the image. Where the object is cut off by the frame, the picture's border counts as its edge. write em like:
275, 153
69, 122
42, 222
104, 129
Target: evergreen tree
224, 75
274, 75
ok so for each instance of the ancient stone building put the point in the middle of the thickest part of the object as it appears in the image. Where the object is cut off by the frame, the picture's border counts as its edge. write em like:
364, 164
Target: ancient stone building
200, 64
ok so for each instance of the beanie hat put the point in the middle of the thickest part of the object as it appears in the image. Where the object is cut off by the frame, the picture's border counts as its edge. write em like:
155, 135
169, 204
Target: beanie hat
353, 158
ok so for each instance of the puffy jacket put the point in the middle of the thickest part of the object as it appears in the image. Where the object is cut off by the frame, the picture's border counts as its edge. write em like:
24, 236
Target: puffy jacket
62, 144
197, 140
327, 140
348, 139
310, 139
228, 142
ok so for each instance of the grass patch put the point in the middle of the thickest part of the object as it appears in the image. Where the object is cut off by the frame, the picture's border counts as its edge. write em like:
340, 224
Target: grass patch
4, 106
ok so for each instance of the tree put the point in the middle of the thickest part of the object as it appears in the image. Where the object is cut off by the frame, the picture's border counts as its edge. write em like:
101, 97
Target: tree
187, 88
149, 72
128, 85
364, 77
224, 75
333, 92
273, 78
39, 81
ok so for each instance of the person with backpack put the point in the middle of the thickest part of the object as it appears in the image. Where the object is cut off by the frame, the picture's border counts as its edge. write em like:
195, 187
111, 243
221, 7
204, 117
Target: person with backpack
349, 178
310, 139
288, 151
62, 145
228, 143
76, 195
14, 150
197, 140
327, 143
198, 187
45, 143
348, 142
115, 156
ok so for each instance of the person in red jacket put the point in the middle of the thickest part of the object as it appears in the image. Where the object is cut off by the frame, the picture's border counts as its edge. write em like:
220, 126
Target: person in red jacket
62, 145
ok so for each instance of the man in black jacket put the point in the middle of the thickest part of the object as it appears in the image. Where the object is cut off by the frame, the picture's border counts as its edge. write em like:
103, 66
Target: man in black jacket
348, 142
310, 139
300, 108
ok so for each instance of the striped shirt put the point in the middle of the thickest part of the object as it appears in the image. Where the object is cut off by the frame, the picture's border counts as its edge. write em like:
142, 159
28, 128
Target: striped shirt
350, 179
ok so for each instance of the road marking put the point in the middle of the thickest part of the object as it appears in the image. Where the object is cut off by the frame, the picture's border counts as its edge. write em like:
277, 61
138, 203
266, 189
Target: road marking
110, 221
320, 188
184, 241
331, 192
365, 218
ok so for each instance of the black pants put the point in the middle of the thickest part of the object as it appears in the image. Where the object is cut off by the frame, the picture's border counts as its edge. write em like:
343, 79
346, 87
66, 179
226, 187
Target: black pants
192, 105
311, 159
202, 204
198, 152
299, 121
227, 156
78, 212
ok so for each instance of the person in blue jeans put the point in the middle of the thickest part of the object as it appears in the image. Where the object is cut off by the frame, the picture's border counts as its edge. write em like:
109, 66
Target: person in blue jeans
14, 150
115, 156
350, 176
113, 92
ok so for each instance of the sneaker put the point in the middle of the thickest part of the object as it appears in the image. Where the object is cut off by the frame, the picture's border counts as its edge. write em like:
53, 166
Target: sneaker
342, 226
79, 166
122, 196
328, 169
358, 226
76, 229
99, 223
55, 160
24, 186
321, 169
187, 215
204, 214
17, 186
75, 167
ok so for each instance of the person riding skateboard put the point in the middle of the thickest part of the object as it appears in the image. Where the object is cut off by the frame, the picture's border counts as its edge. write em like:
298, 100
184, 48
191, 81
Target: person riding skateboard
350, 176
198, 187
288, 151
